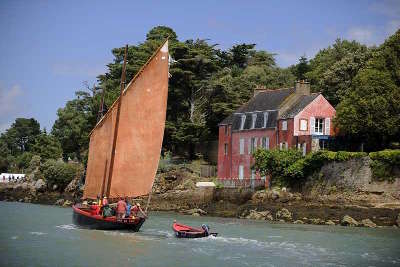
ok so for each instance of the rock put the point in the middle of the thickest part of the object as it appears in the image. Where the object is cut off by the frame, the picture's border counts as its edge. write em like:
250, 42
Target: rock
317, 221
73, 185
27, 200
67, 203
348, 221
195, 211
368, 223
398, 220
55, 187
329, 222
196, 214
260, 215
59, 202
24, 185
40, 185
20, 200
284, 214
298, 222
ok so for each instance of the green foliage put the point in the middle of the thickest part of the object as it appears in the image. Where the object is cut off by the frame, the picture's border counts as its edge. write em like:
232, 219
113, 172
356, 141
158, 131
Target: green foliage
371, 111
275, 162
302, 68
290, 168
384, 163
59, 173
47, 147
23, 161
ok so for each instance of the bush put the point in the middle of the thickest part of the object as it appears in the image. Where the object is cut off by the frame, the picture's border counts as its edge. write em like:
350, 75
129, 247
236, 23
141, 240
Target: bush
384, 163
290, 168
59, 173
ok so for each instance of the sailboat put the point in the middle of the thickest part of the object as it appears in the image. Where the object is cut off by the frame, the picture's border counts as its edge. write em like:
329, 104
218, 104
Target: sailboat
125, 145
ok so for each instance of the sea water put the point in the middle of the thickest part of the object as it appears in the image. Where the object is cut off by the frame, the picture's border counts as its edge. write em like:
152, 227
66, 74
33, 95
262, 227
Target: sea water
39, 235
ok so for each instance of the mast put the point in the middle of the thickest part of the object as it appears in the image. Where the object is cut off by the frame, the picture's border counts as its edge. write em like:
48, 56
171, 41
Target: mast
114, 143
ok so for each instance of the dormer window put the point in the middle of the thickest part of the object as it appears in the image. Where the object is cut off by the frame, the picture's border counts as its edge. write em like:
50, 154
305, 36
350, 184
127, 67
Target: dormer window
284, 125
265, 119
243, 119
253, 120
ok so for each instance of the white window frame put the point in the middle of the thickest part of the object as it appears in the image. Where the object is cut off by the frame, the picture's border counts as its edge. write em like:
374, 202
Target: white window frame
319, 126
265, 143
241, 146
253, 120
243, 120
265, 119
303, 125
284, 125
241, 171
253, 145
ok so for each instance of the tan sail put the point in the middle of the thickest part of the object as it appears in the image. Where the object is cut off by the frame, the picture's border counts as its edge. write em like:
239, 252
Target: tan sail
140, 135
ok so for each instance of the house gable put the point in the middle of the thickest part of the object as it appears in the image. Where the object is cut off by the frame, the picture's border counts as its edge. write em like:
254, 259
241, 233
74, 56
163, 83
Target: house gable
318, 108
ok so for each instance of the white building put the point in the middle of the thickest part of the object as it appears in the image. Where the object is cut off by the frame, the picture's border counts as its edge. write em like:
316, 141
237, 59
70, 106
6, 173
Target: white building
7, 177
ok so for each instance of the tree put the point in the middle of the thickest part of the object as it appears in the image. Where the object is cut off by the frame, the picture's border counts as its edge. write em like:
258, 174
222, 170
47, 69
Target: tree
21, 135
47, 147
371, 110
302, 68
333, 68
73, 125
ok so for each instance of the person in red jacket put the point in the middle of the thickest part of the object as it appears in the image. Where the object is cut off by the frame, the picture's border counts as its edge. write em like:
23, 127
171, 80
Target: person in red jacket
121, 208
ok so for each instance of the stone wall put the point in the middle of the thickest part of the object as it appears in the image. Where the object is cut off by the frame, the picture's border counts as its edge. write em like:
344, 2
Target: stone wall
354, 174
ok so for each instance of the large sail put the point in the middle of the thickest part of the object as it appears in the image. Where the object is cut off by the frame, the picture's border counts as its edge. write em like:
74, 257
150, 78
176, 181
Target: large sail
140, 135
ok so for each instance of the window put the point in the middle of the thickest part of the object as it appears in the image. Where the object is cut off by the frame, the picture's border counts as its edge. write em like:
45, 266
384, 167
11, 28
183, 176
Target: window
241, 146
241, 170
319, 126
253, 120
253, 174
243, 119
225, 149
265, 143
253, 145
284, 125
303, 125
265, 119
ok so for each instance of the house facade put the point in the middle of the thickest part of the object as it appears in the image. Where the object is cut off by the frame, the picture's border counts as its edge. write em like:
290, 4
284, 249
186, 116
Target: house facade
282, 118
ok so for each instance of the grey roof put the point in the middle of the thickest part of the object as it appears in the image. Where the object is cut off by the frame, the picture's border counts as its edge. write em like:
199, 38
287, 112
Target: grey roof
267, 100
300, 104
271, 120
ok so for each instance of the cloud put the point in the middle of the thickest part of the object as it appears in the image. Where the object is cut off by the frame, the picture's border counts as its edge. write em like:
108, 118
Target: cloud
9, 105
77, 68
362, 35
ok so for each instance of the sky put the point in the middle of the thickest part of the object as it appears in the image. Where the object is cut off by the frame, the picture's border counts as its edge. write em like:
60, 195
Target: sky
48, 49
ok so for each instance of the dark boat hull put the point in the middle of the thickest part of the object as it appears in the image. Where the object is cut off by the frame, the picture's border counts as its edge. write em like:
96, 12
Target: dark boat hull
86, 219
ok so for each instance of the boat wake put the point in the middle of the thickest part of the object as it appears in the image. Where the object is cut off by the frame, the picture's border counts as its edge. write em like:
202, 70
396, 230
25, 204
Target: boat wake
68, 227
37, 233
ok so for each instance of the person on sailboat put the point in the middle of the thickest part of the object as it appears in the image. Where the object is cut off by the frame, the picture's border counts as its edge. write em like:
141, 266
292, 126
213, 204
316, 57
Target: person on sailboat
105, 201
136, 209
121, 208
128, 208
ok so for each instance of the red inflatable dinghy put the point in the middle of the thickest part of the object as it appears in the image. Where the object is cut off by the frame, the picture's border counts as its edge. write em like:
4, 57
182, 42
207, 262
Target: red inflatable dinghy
185, 231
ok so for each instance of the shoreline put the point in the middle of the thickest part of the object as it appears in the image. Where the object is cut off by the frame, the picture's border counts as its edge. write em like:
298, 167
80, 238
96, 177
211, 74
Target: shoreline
269, 206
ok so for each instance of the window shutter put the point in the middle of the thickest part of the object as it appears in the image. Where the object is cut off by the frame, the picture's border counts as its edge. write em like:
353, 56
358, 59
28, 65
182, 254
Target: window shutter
280, 146
249, 147
327, 126
267, 143
241, 148
312, 125
255, 143
286, 146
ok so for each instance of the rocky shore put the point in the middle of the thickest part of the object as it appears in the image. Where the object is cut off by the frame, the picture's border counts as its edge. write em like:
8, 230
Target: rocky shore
174, 190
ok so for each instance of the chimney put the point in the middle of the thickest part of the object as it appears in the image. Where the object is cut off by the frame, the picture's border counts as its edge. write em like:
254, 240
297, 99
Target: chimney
302, 88
259, 89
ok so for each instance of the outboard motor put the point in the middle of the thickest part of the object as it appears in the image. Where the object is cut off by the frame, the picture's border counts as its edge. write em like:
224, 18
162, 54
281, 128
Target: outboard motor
206, 228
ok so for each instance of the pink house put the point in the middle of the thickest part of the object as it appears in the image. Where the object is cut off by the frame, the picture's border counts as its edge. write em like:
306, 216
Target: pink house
282, 118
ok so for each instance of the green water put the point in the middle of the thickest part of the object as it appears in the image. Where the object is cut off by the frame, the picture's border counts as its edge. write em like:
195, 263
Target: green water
38, 235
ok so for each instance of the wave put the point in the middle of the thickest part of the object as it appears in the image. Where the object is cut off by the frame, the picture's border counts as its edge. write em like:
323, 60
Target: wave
37, 233
68, 227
